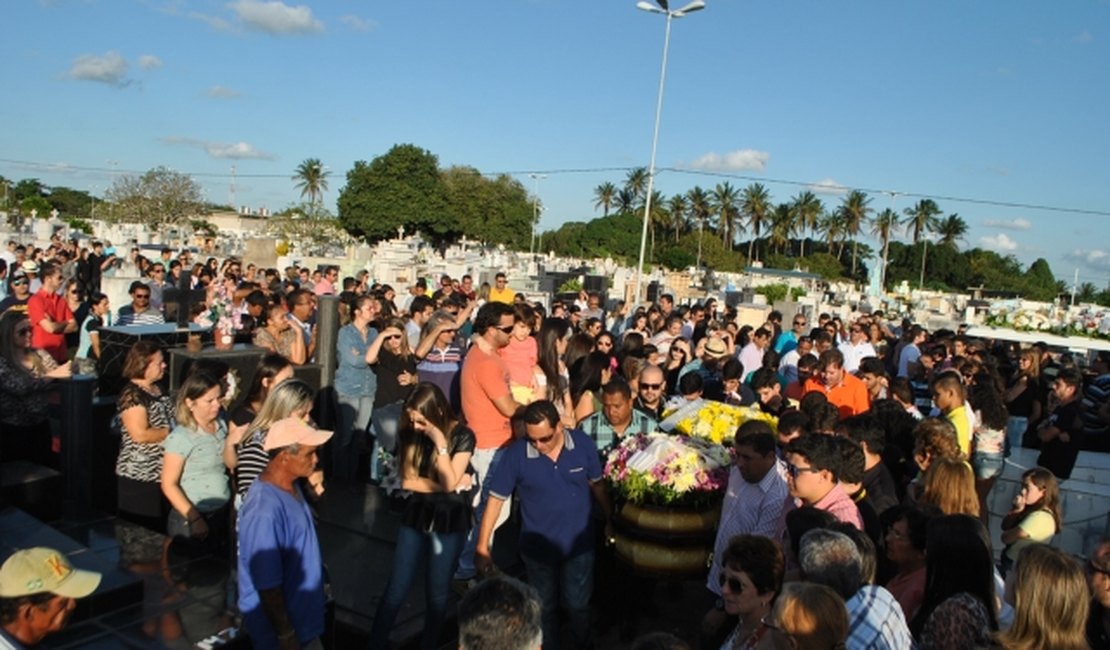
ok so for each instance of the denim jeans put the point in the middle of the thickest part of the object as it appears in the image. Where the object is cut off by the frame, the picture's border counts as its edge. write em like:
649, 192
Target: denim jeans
484, 462
566, 581
384, 423
1015, 430
354, 418
438, 552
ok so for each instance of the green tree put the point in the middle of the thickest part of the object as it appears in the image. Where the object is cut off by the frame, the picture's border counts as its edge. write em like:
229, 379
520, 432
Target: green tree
678, 208
951, 229
626, 201
885, 225
1041, 281
71, 202
855, 208
782, 226
496, 211
807, 210
833, 226
605, 195
756, 208
312, 179
636, 183
158, 198
922, 218
724, 199
25, 188
1086, 292
400, 188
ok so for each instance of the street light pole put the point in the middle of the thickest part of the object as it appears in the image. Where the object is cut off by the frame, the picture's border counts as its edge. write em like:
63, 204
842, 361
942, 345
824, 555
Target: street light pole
535, 212
696, 5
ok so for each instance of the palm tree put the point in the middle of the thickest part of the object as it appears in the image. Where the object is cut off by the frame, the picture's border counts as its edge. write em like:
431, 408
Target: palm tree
700, 211
951, 229
725, 197
756, 208
855, 209
807, 210
782, 226
886, 223
312, 179
833, 225
657, 216
677, 206
636, 182
922, 218
626, 201
606, 195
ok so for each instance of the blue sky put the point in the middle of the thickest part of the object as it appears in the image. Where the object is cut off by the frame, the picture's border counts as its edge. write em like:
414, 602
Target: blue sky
993, 101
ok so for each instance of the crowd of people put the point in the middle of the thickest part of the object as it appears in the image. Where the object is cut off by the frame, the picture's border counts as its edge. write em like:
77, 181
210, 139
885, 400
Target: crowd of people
857, 522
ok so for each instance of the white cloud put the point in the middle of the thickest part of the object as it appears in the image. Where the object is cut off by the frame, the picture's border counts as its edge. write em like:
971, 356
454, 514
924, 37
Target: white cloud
999, 242
236, 151
1097, 259
275, 17
110, 69
1009, 224
733, 161
358, 24
215, 22
233, 151
223, 92
149, 62
827, 186
1083, 37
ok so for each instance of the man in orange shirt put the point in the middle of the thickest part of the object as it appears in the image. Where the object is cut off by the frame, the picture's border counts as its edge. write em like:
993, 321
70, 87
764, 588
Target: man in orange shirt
488, 404
50, 315
847, 392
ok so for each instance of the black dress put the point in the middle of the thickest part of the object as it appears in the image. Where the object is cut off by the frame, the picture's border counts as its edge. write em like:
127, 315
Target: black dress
441, 512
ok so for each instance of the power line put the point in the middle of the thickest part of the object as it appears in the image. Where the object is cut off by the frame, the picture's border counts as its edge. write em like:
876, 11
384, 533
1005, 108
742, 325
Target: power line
599, 170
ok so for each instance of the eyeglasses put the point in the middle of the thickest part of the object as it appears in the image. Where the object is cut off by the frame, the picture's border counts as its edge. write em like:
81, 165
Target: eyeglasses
18, 283
799, 323
794, 470
23, 331
648, 386
507, 330
734, 584
1095, 569
392, 337
142, 296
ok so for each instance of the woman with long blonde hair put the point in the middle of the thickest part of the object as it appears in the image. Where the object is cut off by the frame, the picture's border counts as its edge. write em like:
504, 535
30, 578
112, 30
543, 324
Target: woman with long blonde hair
1035, 516
290, 398
950, 486
394, 365
1024, 396
1050, 599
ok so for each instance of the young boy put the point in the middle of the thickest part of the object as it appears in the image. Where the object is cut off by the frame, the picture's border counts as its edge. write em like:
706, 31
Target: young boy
948, 395
765, 383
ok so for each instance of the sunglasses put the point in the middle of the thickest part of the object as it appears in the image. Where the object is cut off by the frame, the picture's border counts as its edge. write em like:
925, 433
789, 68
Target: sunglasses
650, 386
18, 283
392, 337
542, 441
794, 470
1094, 569
801, 324
142, 296
734, 584
23, 331
508, 329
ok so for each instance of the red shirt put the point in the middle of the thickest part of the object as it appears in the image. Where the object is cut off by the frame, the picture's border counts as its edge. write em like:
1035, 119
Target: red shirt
850, 397
39, 306
483, 379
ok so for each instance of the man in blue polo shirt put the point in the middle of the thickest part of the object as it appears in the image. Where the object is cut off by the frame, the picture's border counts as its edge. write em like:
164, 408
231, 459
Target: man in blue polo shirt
553, 472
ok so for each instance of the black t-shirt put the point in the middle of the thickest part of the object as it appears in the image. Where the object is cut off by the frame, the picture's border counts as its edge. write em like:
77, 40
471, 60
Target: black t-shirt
1059, 456
11, 302
388, 368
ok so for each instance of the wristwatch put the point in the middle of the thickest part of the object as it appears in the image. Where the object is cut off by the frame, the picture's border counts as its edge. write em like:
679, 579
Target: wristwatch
442, 451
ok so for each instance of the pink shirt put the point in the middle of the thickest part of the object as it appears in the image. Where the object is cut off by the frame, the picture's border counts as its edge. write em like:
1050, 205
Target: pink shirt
520, 358
840, 505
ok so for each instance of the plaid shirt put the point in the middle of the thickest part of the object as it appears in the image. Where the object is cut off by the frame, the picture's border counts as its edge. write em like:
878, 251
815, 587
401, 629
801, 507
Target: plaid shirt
876, 621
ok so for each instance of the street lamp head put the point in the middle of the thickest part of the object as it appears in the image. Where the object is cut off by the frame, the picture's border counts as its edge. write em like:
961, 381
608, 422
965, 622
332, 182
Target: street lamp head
696, 5
647, 6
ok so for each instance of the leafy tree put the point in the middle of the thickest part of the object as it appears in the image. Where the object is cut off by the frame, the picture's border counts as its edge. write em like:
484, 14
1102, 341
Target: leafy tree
626, 201
158, 198
725, 197
833, 226
496, 211
71, 202
26, 188
1041, 281
312, 179
756, 207
807, 210
605, 195
309, 224
678, 207
636, 182
401, 188
922, 218
1086, 292
855, 208
951, 229
40, 206
782, 226
885, 225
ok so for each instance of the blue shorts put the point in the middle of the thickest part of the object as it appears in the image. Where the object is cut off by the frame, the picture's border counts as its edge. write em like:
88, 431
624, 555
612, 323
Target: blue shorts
987, 466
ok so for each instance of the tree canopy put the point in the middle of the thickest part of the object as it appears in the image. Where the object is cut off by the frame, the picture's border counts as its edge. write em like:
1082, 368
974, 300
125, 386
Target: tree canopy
159, 197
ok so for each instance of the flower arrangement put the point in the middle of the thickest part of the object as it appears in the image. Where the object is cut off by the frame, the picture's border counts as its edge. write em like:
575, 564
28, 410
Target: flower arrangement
220, 315
1086, 322
713, 421
664, 470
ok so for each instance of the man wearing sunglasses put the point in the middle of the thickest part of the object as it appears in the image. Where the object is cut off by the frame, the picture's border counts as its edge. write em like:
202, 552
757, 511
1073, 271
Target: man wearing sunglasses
139, 312
19, 293
652, 388
488, 405
556, 474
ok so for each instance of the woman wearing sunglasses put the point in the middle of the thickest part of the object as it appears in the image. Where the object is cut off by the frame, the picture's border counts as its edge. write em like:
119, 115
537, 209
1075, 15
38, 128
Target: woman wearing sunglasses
26, 375
394, 365
752, 568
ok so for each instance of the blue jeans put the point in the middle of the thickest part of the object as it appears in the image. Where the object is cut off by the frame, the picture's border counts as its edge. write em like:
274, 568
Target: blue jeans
439, 552
384, 422
569, 581
354, 418
484, 462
